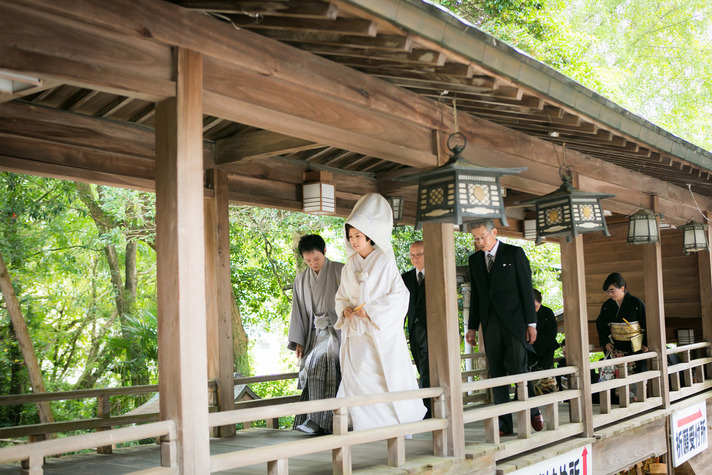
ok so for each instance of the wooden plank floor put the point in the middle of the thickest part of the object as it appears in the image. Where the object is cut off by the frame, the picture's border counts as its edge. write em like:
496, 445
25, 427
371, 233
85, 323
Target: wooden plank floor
367, 458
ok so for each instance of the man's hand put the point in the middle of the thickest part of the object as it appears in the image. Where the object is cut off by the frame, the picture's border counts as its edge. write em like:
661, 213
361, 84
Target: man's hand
299, 350
471, 337
609, 347
531, 334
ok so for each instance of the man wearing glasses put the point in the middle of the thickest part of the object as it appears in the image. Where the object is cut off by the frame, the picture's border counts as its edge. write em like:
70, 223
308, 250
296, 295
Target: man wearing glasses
414, 280
502, 301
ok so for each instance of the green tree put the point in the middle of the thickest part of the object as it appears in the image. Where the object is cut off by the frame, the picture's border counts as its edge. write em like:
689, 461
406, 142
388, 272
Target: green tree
652, 57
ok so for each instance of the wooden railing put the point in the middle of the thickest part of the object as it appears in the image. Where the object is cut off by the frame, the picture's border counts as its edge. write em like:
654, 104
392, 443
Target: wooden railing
694, 373
629, 402
32, 455
548, 403
104, 421
478, 371
340, 443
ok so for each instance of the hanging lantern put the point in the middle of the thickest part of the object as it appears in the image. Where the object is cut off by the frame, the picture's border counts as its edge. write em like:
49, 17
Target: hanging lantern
317, 193
643, 228
397, 203
568, 212
694, 239
460, 191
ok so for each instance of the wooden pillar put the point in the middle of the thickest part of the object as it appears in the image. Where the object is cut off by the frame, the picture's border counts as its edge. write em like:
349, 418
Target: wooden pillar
655, 313
219, 295
704, 265
576, 328
444, 335
180, 251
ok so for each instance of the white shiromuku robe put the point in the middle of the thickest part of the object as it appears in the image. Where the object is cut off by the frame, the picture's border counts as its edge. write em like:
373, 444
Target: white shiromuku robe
374, 352
311, 325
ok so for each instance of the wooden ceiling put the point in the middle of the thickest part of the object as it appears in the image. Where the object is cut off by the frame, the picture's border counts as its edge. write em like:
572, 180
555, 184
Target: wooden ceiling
343, 33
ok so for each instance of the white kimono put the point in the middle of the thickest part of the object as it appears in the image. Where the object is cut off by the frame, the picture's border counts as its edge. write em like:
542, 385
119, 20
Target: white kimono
374, 354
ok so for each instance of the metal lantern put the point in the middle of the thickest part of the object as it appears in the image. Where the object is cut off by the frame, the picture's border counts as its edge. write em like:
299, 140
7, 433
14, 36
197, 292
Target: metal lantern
694, 238
568, 212
397, 203
460, 191
317, 194
643, 228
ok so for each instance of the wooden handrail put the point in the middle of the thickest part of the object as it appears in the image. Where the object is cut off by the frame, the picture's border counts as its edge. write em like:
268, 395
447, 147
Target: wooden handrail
623, 360
517, 378
87, 441
691, 346
676, 368
32, 398
490, 411
265, 378
81, 424
320, 405
242, 458
620, 382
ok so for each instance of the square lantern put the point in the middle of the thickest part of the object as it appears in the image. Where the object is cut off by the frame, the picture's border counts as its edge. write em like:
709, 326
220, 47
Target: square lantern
643, 228
568, 212
317, 194
694, 239
460, 191
397, 203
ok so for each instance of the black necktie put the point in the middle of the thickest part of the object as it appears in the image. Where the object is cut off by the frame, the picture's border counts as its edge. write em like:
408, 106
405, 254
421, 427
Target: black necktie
490, 262
420, 277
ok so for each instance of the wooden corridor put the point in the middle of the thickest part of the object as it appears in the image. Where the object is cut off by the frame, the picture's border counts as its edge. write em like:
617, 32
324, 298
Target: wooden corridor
369, 458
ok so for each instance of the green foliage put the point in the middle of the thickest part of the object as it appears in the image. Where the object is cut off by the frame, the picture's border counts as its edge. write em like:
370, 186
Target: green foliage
264, 261
649, 56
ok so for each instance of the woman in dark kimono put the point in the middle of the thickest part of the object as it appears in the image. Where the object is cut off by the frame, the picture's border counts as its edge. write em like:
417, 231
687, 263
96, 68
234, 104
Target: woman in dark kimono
621, 307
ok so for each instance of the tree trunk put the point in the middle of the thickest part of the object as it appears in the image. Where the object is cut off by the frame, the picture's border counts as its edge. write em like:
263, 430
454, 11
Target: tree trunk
124, 289
240, 341
23, 337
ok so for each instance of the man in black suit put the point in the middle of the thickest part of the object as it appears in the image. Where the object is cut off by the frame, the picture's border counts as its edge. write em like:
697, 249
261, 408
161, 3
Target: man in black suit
546, 328
502, 301
414, 280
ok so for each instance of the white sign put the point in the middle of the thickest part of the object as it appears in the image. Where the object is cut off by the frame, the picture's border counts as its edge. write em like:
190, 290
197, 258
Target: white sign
689, 432
575, 462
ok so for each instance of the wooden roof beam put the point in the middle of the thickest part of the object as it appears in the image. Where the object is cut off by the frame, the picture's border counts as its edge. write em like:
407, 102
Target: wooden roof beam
354, 58
34, 41
315, 10
345, 26
258, 144
342, 53
379, 42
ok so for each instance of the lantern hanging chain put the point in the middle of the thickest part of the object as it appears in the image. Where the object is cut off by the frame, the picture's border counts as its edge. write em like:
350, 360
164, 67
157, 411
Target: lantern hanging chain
454, 114
442, 115
563, 166
689, 187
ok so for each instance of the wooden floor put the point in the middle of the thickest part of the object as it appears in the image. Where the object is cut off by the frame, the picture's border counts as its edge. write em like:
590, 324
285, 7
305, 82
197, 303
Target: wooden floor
367, 458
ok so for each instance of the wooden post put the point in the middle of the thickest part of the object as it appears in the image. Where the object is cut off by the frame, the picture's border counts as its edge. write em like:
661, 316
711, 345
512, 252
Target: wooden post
576, 328
180, 250
396, 451
103, 410
704, 261
524, 428
444, 335
219, 295
655, 313
278, 467
341, 457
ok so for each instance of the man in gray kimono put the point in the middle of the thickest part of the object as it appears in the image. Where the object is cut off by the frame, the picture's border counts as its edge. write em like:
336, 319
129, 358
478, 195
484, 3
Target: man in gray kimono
311, 332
